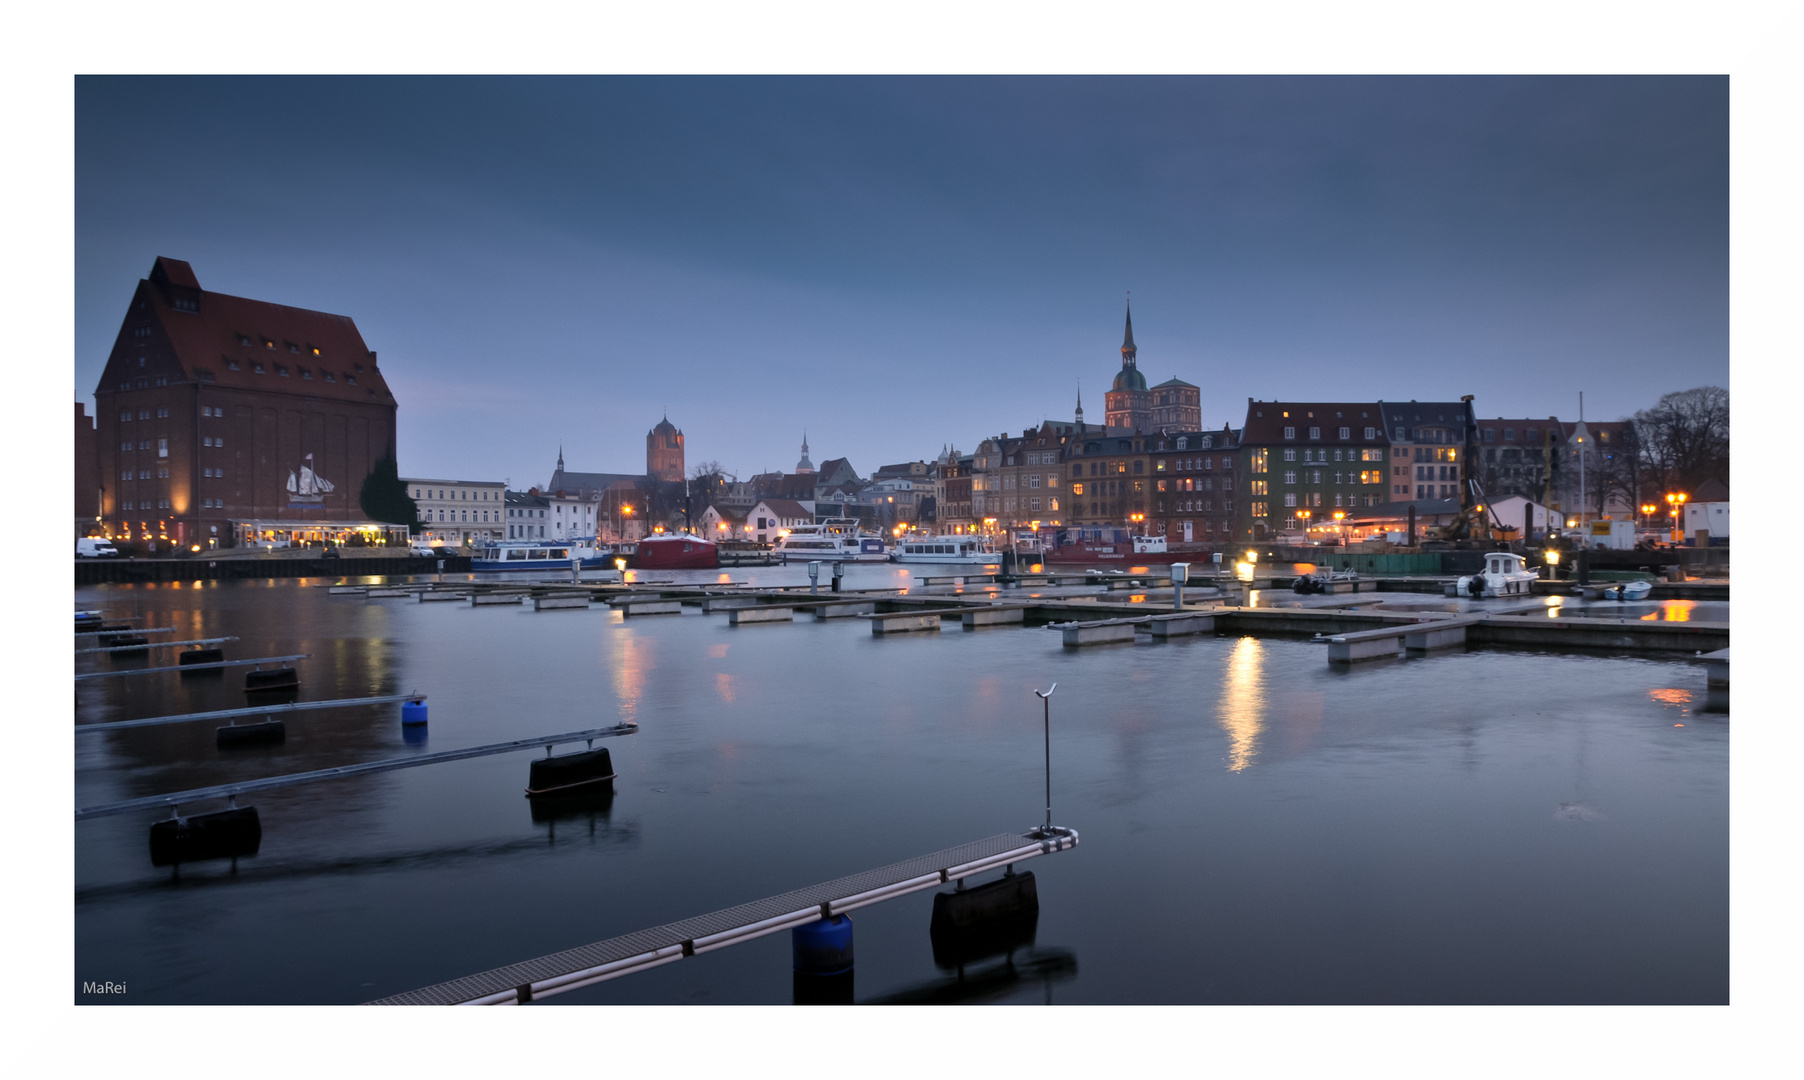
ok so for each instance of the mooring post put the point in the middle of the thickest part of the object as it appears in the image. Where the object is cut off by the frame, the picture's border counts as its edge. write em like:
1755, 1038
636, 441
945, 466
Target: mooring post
1180, 573
814, 578
1046, 717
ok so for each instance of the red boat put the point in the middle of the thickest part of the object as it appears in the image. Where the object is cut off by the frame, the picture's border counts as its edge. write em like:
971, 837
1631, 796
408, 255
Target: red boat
676, 551
1097, 547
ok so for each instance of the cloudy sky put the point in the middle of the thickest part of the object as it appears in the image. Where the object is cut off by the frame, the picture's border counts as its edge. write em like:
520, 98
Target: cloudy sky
898, 263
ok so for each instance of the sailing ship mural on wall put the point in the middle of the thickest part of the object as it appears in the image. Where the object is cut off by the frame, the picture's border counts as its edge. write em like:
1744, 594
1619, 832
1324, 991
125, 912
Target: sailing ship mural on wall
309, 489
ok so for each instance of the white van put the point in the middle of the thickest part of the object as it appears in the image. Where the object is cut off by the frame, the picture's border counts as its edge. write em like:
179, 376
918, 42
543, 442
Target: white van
95, 547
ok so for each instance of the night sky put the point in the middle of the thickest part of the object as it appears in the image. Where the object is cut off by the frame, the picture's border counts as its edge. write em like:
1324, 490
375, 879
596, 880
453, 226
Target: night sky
899, 263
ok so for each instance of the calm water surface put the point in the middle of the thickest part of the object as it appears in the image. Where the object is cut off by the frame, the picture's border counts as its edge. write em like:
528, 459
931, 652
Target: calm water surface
1485, 826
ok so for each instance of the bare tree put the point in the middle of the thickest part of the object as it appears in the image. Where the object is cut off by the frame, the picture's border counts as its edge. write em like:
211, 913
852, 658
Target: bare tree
707, 483
1684, 438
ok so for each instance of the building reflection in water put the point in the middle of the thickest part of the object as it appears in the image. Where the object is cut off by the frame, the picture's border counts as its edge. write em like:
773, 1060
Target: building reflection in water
1241, 708
632, 659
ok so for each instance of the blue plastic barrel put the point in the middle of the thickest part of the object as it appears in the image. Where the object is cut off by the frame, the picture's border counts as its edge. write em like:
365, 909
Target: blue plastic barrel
823, 947
413, 712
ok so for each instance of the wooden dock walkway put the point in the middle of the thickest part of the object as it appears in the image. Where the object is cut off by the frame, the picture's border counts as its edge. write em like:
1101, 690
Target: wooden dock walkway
572, 969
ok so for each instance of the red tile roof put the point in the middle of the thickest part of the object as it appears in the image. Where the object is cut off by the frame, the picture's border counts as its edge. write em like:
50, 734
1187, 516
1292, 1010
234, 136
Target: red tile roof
223, 329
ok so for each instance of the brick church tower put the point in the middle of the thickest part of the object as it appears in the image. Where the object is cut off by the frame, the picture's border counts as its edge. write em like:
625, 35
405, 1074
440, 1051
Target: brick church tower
664, 452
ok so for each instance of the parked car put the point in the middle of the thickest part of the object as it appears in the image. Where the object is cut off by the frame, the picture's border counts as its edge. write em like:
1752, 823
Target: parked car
95, 547
423, 547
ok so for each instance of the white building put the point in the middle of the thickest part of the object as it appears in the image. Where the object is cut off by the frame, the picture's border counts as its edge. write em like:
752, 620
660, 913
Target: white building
770, 517
459, 511
717, 523
526, 516
570, 516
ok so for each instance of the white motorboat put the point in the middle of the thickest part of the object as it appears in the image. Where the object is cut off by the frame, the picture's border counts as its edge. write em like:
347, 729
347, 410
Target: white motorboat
1504, 575
967, 550
1629, 590
833, 540
541, 555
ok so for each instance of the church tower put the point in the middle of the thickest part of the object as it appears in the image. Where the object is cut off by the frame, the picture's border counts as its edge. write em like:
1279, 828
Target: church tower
1128, 404
804, 465
664, 452
1080, 406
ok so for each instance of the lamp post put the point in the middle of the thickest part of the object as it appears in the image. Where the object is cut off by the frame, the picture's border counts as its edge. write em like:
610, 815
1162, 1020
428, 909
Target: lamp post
1046, 717
1305, 515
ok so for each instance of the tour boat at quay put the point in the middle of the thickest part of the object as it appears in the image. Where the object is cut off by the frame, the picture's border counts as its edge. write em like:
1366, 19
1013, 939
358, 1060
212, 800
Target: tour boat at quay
676, 551
836, 540
541, 555
968, 550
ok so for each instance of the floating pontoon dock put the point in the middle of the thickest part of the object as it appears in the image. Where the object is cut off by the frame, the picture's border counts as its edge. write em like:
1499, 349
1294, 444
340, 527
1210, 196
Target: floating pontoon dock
223, 791
226, 714
573, 969
194, 667
155, 644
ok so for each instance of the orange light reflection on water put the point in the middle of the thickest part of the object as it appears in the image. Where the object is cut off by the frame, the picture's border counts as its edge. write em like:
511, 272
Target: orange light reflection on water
1241, 708
1673, 611
1671, 696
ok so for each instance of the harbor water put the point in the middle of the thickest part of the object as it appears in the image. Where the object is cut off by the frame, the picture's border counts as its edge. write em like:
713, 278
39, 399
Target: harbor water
1482, 826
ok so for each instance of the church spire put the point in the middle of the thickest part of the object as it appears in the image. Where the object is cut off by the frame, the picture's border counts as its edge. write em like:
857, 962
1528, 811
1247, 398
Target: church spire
1128, 351
560, 457
804, 465
1080, 403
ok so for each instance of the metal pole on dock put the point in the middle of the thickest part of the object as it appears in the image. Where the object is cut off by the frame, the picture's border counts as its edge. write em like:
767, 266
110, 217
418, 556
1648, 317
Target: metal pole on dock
1046, 716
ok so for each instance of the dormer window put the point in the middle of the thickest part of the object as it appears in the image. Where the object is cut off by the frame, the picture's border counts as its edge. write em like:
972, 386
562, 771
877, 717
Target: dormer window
256, 367
293, 348
316, 352
359, 368
352, 379
328, 376
244, 341
282, 370
305, 374
232, 365
268, 344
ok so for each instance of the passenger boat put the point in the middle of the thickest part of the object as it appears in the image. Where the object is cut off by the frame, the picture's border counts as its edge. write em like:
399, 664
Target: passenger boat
834, 540
1111, 546
542, 555
1629, 590
1504, 575
968, 550
676, 551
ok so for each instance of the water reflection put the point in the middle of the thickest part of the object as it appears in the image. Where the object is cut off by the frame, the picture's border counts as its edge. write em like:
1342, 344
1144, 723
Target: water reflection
1241, 708
632, 659
970, 986
1672, 611
723, 685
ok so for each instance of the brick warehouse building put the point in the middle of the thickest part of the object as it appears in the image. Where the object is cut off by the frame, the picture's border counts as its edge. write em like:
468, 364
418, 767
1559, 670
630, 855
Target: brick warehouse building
223, 419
